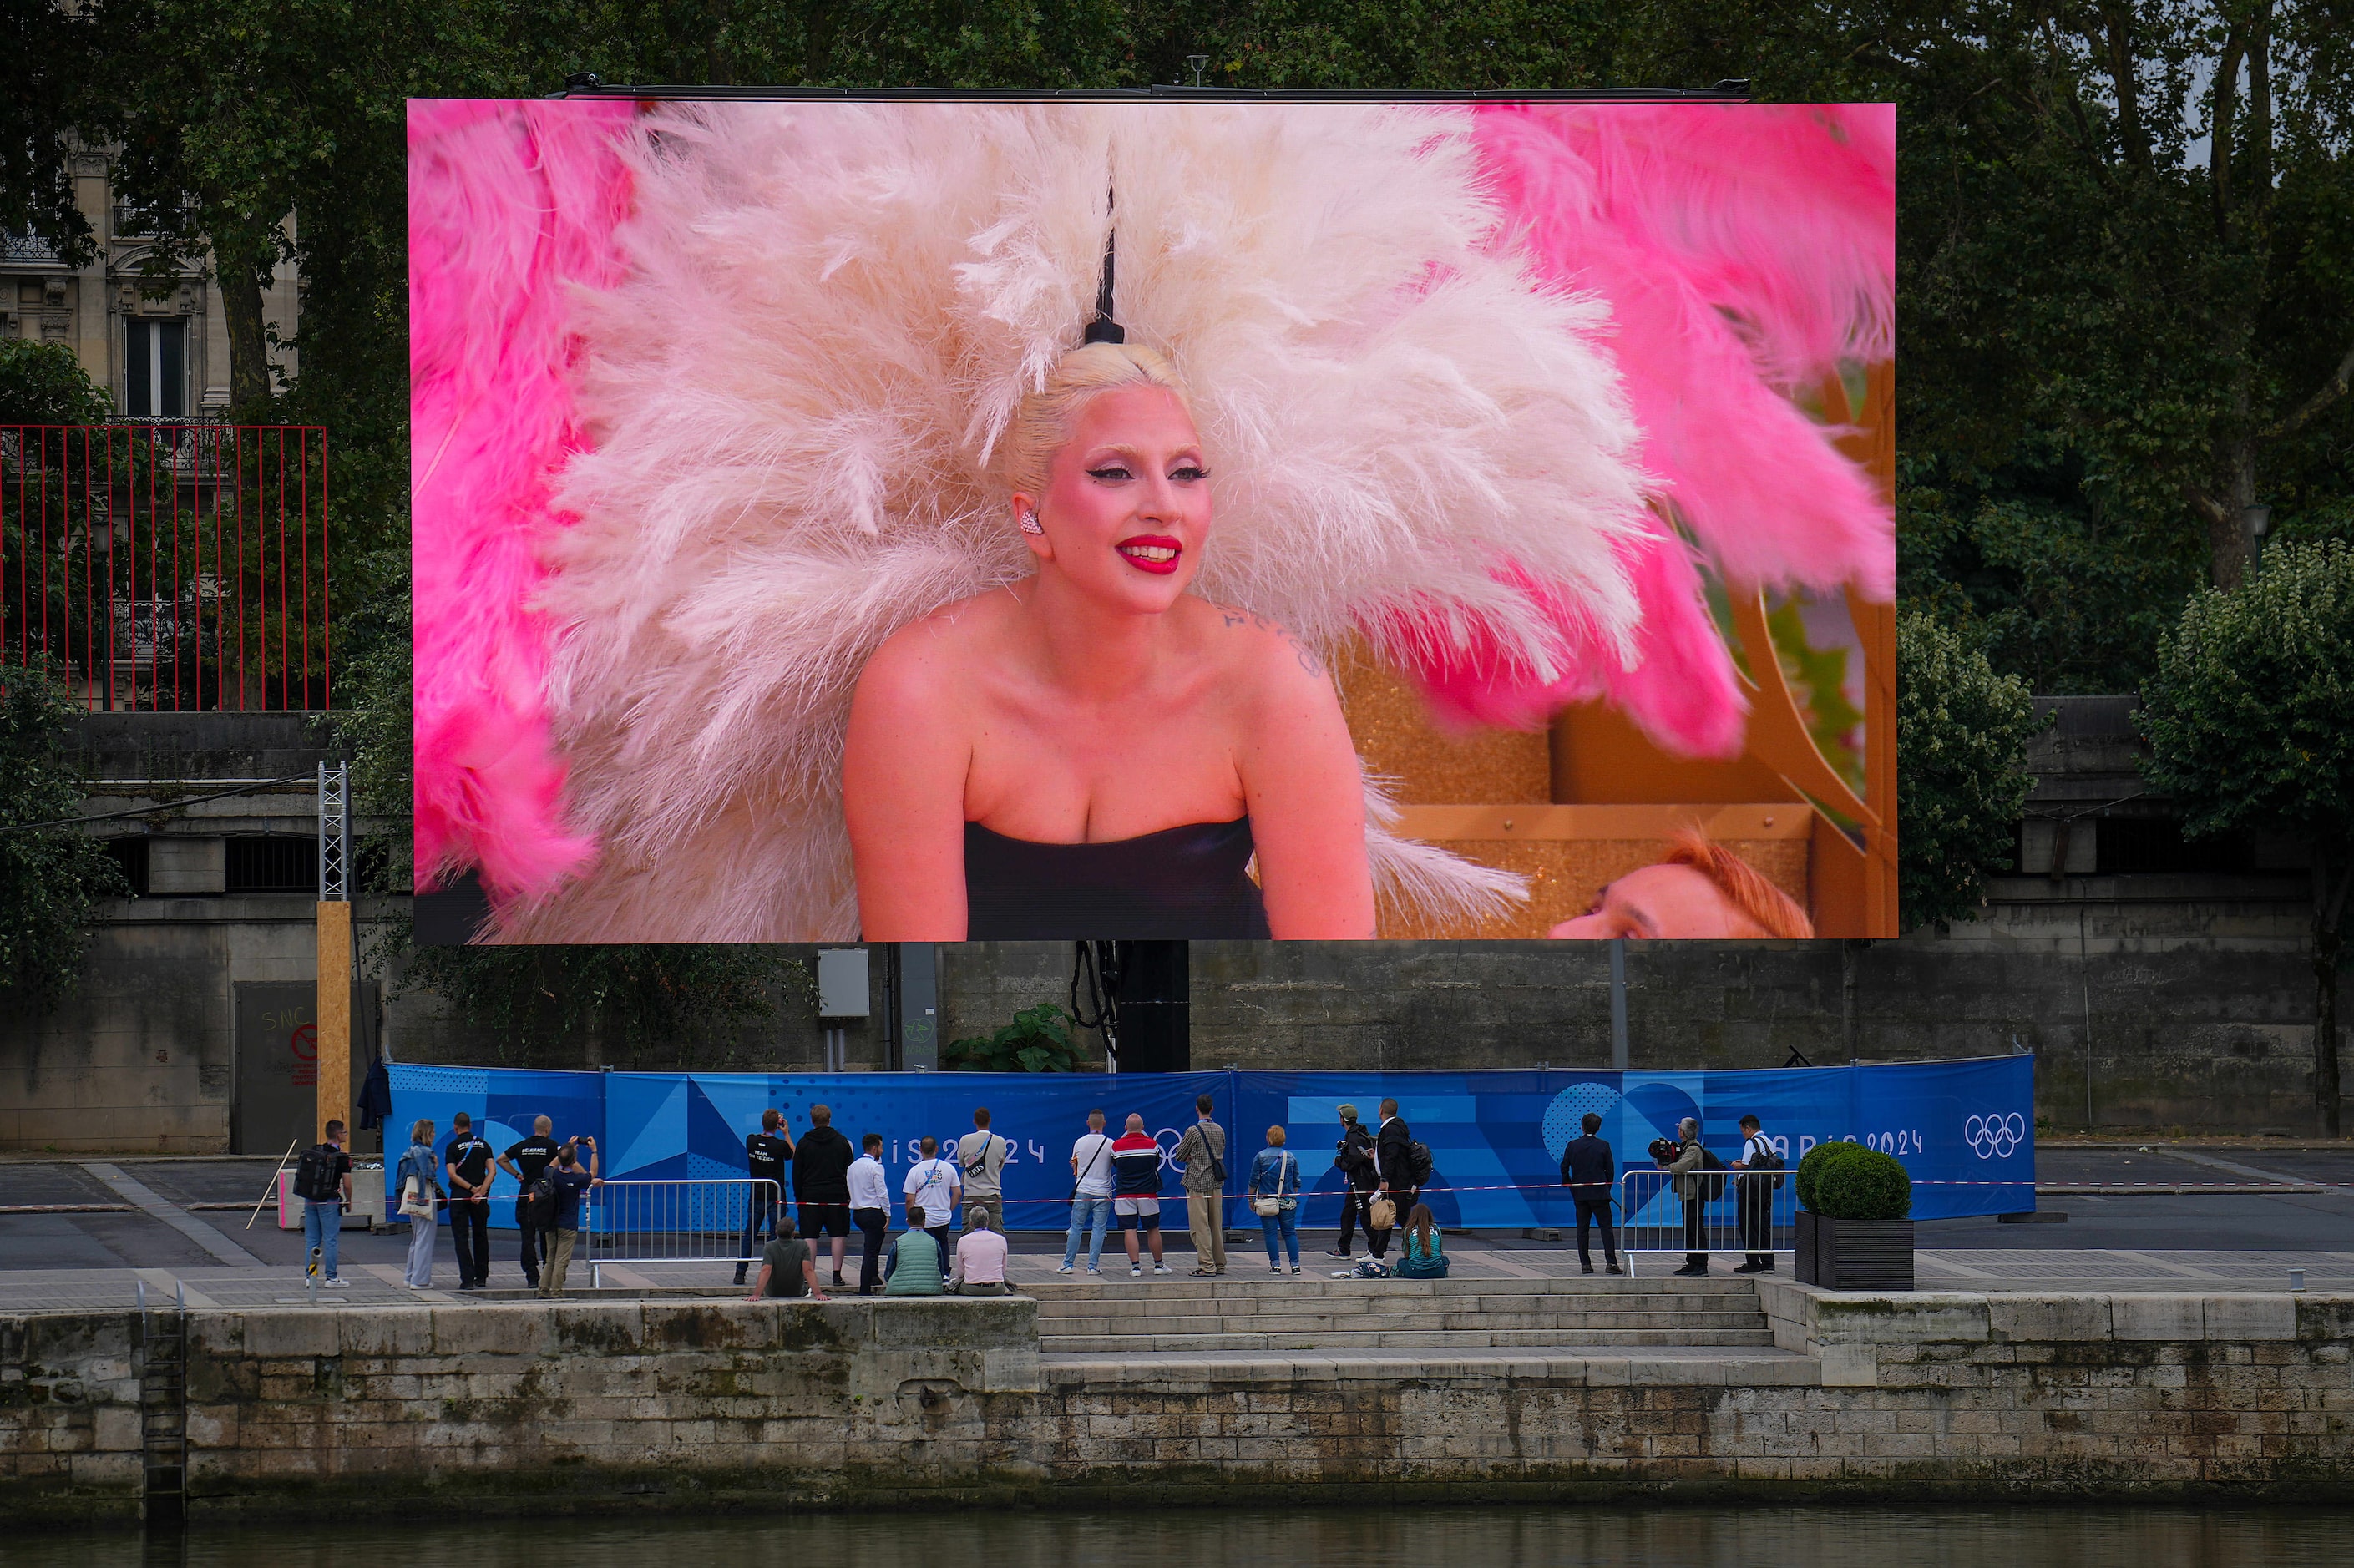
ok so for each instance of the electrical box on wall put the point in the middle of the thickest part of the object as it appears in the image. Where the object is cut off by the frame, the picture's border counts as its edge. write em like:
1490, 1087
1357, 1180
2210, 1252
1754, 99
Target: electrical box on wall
842, 982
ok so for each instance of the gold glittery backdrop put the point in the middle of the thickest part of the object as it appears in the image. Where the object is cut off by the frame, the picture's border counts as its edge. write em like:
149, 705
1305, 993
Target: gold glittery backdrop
1495, 768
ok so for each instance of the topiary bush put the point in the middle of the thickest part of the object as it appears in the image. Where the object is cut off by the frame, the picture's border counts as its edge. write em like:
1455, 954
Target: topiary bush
1810, 1168
1865, 1185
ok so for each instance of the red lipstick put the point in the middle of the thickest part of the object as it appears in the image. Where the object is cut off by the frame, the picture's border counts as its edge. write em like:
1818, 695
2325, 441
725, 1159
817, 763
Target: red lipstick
1154, 553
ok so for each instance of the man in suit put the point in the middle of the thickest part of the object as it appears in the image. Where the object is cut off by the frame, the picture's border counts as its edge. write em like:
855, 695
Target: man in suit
1395, 1169
1588, 1168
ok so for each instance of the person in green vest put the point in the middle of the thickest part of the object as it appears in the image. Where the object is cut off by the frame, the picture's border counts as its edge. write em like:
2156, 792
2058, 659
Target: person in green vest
914, 1266
1426, 1252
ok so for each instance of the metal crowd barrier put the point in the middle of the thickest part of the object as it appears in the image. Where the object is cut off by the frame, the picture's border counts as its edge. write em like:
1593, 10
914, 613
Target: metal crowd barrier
1653, 1219
670, 1221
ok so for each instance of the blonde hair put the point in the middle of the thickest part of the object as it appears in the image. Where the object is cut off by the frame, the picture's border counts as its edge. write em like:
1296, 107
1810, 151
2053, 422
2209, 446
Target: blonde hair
421, 1133
1043, 421
1744, 888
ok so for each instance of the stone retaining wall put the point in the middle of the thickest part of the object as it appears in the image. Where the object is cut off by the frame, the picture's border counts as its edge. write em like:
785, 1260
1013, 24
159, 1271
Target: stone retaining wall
521, 1407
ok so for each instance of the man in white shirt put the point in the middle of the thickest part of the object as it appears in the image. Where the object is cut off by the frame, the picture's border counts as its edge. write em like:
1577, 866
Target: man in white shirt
870, 1211
980, 1259
1753, 1196
933, 1182
980, 1156
1091, 1173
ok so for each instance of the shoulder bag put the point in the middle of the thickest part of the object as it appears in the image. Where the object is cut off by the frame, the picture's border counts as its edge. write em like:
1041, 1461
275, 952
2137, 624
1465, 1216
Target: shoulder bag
416, 1192
1381, 1214
1266, 1205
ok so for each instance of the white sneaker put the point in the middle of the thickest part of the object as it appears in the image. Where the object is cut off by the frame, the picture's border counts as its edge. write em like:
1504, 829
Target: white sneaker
1097, 1272
1295, 1269
334, 1285
1162, 1268
1136, 1271
1065, 1268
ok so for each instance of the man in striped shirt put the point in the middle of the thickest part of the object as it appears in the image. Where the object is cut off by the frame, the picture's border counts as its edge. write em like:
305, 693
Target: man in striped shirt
1136, 1192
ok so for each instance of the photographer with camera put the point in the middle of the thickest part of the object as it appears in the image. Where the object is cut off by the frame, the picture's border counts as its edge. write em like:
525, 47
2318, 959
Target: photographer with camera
1352, 1156
1691, 1186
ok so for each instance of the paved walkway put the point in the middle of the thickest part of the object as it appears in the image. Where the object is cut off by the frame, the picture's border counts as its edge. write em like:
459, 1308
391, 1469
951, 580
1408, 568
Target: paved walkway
1974, 1270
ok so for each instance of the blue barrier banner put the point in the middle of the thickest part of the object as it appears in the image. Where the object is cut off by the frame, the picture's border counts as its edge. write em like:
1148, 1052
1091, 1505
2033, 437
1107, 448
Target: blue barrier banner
1963, 1129
503, 1102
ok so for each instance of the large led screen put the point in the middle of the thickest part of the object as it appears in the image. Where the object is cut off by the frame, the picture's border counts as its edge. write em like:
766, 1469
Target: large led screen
947, 519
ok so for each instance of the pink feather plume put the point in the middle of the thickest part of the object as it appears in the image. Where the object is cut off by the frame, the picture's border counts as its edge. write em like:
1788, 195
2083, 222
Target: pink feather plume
510, 204
1743, 250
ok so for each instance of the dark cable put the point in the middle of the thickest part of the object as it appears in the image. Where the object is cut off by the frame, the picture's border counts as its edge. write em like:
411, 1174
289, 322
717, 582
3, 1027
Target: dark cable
166, 805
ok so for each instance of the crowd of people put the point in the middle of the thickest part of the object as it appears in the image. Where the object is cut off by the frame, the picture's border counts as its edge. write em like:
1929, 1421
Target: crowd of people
815, 1188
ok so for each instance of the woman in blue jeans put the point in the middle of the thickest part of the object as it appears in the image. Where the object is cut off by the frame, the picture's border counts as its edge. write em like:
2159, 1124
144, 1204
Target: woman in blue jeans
1275, 1185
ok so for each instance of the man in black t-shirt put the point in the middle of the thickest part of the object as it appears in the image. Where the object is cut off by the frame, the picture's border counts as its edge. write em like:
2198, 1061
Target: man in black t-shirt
821, 1184
468, 1159
525, 1162
765, 1153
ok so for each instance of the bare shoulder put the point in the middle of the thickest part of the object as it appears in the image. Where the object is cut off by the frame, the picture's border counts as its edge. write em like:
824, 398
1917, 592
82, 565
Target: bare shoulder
1263, 653
921, 666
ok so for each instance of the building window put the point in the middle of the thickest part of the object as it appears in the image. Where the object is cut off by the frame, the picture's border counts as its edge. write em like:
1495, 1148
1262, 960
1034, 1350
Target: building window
274, 862
129, 855
156, 367
2154, 844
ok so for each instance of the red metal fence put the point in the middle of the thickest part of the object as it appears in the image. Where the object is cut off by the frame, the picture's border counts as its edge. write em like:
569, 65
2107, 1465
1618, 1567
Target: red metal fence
168, 564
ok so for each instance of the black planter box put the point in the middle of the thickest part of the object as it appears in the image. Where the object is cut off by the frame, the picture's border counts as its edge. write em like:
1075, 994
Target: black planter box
1854, 1254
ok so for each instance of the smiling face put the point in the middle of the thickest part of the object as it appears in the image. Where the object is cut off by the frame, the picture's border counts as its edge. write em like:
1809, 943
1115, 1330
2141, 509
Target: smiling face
1126, 508
1661, 902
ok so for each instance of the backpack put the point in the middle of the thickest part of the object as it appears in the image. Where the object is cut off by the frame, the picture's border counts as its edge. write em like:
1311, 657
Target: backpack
536, 1207
315, 1176
1418, 1164
1712, 1187
1768, 1159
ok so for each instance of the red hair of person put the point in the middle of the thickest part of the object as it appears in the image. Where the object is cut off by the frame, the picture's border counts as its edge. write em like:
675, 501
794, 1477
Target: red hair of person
1763, 904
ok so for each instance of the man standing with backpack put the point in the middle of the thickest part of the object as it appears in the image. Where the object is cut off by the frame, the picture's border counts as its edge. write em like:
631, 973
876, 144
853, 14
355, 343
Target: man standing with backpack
981, 1155
1752, 1195
322, 1180
525, 1162
1695, 1189
467, 1158
1400, 1162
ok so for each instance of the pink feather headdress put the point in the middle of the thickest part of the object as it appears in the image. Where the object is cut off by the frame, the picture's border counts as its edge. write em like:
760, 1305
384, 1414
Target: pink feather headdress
747, 433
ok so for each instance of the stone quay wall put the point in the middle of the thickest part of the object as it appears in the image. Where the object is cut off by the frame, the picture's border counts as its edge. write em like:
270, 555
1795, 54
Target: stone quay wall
707, 1404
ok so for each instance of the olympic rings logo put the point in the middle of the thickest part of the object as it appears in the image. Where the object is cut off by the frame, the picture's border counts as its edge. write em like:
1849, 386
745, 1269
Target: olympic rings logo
1995, 1137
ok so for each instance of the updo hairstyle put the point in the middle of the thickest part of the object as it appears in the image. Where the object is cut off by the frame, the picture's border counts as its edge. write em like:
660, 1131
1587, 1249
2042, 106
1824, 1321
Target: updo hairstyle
1043, 421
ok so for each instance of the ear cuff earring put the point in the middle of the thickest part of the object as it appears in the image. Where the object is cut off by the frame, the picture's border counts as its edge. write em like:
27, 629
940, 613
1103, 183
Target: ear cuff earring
1030, 524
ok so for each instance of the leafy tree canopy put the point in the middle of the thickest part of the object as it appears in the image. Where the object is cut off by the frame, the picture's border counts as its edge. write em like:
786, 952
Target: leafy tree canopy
50, 878
1959, 728
44, 384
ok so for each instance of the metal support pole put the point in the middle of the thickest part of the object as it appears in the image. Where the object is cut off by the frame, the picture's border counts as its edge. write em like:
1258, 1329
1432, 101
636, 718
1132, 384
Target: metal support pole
334, 948
1618, 1003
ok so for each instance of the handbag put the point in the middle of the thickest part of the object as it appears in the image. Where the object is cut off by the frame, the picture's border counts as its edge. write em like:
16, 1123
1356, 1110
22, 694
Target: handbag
1381, 1214
1268, 1205
415, 1202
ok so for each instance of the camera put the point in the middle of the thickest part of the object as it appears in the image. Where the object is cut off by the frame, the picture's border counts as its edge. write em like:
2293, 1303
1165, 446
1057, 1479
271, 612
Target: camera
1663, 1151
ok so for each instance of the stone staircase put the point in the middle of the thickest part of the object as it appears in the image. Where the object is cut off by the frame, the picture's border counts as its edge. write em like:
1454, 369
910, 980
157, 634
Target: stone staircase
1108, 1317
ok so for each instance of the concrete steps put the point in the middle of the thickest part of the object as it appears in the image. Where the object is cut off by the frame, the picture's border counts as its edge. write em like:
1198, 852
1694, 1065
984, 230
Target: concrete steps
1117, 1316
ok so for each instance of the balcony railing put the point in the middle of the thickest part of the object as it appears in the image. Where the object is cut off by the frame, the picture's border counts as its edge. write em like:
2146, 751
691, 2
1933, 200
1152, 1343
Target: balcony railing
169, 565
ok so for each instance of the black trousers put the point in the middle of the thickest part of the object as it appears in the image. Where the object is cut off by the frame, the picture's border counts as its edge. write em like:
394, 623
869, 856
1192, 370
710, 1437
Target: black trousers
1589, 1210
760, 1218
1353, 1203
940, 1235
872, 1223
533, 1243
470, 1230
1753, 1203
1695, 1242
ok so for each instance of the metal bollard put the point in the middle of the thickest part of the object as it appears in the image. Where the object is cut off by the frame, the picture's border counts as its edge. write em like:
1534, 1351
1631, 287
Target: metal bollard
311, 1277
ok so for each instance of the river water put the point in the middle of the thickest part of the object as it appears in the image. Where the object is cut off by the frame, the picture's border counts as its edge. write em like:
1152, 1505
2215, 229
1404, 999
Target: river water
1378, 1535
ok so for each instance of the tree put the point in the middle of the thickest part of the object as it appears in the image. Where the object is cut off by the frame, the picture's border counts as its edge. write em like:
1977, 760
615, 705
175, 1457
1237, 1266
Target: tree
539, 998
1959, 731
2250, 721
51, 877
44, 384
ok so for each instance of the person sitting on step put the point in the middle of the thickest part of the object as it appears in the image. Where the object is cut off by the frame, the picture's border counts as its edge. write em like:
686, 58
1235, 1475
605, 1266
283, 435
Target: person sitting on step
1425, 1256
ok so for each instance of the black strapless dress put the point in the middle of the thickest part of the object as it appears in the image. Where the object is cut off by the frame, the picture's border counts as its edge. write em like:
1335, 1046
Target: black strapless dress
1180, 883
